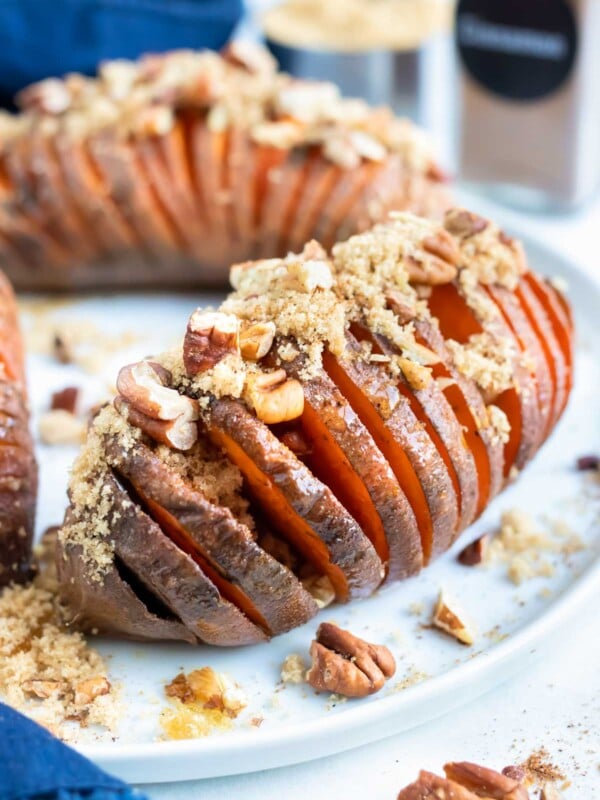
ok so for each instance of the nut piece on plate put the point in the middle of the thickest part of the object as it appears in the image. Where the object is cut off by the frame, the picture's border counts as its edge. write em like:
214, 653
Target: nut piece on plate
448, 620
274, 397
88, 690
256, 340
344, 664
293, 669
65, 400
209, 690
147, 401
464, 781
43, 689
474, 552
550, 792
210, 336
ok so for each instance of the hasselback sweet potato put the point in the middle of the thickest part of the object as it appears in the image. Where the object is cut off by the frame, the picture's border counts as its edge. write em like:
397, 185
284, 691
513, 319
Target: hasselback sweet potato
166, 170
334, 425
18, 470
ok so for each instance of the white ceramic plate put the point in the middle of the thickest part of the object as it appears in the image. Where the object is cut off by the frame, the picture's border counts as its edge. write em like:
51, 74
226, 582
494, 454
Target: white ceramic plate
435, 674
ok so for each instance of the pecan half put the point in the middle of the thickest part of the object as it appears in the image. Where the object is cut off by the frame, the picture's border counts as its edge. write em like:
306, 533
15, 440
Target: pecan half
484, 782
274, 397
147, 401
210, 336
344, 664
429, 786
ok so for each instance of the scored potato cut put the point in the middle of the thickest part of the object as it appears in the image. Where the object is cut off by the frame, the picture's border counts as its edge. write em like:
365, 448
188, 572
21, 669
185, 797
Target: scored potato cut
429, 405
298, 506
458, 321
175, 578
531, 349
416, 463
345, 457
264, 590
467, 403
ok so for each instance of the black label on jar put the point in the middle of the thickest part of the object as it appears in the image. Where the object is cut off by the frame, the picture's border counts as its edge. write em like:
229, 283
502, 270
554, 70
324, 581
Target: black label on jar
519, 49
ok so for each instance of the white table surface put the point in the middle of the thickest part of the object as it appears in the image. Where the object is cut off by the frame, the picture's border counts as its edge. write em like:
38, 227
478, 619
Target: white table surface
554, 704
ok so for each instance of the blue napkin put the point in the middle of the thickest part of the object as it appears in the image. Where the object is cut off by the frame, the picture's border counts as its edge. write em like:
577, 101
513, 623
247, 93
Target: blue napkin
43, 38
34, 765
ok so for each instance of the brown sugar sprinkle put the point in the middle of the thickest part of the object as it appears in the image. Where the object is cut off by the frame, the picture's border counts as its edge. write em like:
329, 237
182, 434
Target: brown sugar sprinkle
539, 769
46, 671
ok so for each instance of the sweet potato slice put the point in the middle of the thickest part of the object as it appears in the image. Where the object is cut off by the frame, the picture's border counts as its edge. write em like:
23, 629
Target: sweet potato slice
210, 153
430, 407
543, 330
400, 437
268, 177
54, 200
321, 178
264, 590
345, 457
467, 404
298, 506
173, 201
241, 164
110, 605
459, 321
18, 470
175, 578
554, 306
341, 201
126, 183
282, 192
90, 195
531, 349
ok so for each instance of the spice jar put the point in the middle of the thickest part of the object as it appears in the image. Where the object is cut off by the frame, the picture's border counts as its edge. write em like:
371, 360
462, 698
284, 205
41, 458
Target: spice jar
529, 104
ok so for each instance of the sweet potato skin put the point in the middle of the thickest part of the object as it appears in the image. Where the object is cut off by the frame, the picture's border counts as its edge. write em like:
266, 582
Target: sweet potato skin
108, 606
175, 578
18, 469
279, 598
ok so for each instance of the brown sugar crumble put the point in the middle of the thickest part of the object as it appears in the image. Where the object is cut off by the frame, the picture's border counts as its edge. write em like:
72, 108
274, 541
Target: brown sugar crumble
46, 671
539, 769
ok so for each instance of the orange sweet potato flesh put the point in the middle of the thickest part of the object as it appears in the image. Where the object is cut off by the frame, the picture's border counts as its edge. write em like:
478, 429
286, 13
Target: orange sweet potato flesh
398, 434
297, 505
458, 321
264, 590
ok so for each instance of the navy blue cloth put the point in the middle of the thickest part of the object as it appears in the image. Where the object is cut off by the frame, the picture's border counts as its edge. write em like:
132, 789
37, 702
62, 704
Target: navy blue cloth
43, 38
34, 765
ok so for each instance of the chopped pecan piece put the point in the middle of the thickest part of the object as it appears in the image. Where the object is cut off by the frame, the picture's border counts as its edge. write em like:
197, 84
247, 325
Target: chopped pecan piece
43, 689
256, 340
344, 664
274, 397
88, 690
65, 400
474, 552
210, 336
446, 619
463, 223
585, 463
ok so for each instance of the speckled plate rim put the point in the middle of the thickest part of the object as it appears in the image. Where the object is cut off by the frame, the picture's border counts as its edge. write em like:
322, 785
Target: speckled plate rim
239, 752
